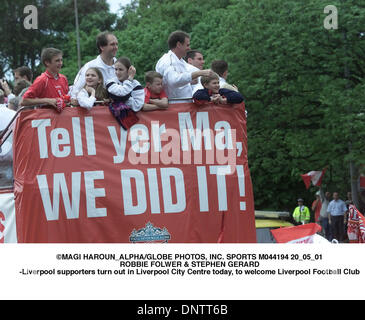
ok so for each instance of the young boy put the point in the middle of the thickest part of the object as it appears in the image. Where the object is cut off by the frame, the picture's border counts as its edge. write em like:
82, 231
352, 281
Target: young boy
155, 96
51, 87
213, 94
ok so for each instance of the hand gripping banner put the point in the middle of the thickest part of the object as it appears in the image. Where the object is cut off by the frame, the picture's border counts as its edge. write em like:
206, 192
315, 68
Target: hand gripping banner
178, 175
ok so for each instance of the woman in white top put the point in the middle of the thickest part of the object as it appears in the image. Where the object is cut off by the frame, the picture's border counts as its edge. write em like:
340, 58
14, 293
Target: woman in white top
93, 90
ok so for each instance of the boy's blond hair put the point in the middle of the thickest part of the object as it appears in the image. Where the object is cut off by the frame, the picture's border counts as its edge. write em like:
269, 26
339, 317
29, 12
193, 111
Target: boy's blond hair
206, 79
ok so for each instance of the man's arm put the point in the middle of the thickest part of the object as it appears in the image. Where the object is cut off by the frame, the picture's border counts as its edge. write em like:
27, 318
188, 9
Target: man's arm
178, 79
39, 101
232, 96
31, 96
202, 73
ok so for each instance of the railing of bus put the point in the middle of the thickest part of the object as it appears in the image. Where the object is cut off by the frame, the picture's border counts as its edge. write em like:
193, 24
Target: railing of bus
7, 165
4, 135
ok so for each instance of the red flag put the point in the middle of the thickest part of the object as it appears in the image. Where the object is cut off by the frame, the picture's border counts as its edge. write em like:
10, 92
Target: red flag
362, 182
313, 176
298, 234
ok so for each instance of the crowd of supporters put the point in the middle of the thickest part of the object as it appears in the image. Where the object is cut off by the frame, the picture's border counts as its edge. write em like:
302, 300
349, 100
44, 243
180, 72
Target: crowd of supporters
179, 74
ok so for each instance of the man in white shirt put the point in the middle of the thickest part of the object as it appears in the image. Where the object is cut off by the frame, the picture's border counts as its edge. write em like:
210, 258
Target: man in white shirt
5, 113
107, 45
176, 76
324, 214
195, 61
337, 209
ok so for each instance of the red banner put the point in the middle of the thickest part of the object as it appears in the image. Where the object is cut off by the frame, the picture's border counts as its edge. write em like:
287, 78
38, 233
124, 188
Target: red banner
178, 175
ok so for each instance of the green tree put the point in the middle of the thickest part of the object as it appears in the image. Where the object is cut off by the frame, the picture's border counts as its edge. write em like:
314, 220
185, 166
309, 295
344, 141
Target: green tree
303, 111
56, 27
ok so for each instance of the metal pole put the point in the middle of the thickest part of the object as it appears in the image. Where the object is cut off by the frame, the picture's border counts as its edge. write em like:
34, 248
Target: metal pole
77, 35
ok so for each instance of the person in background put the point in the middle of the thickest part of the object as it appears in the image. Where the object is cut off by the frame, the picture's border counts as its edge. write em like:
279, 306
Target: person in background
6, 114
348, 202
221, 67
324, 214
195, 58
195, 61
21, 86
316, 207
7, 92
301, 214
337, 209
155, 96
23, 73
51, 87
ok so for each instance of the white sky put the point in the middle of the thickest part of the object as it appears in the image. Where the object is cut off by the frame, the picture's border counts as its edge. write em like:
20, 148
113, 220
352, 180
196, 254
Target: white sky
115, 4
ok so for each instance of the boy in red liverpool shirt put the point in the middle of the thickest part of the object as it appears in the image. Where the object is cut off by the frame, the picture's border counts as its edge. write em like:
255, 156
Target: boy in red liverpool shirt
51, 87
155, 96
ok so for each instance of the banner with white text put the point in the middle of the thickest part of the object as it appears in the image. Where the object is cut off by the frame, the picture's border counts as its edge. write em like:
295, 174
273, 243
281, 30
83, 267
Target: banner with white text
179, 175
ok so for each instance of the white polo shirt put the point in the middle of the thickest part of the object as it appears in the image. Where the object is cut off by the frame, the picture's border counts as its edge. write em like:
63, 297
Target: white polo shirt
176, 76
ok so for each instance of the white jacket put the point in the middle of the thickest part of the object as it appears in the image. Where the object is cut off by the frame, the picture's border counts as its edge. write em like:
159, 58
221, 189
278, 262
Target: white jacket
85, 100
176, 76
121, 89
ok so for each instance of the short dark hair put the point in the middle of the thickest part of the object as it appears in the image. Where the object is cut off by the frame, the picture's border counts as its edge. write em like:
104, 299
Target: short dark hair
125, 62
20, 85
219, 66
151, 75
175, 37
191, 54
48, 53
102, 39
24, 71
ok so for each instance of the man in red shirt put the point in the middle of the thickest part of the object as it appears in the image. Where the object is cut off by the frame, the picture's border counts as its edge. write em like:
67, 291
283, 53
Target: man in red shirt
316, 206
51, 87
